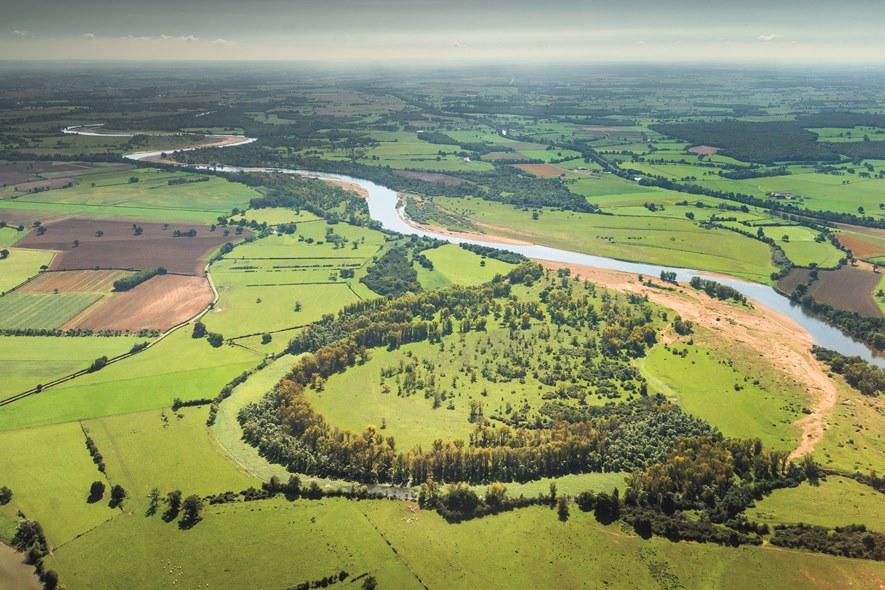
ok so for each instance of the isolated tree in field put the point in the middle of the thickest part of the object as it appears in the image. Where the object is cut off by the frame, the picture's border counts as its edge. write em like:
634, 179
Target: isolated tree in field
562, 508
96, 492
191, 509
370, 583
118, 494
4, 253
153, 502
173, 505
266, 338
215, 339
50, 580
5, 495
199, 330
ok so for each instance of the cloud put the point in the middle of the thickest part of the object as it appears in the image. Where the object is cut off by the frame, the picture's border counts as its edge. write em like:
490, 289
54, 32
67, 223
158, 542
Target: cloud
769, 37
88, 36
20, 33
222, 42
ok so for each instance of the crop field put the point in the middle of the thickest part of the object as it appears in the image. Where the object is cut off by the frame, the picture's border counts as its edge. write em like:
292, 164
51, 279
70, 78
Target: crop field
864, 243
20, 265
847, 288
673, 242
74, 281
26, 361
87, 244
453, 265
157, 304
42, 311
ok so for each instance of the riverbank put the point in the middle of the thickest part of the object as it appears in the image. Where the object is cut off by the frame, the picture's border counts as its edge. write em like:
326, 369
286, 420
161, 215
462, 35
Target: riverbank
15, 574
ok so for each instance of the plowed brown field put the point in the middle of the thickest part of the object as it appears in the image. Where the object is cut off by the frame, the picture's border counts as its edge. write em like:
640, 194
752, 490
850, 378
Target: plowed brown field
114, 245
88, 281
157, 304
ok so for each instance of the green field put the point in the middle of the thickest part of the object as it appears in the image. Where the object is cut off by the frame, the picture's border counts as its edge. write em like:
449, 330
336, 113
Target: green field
802, 248
665, 241
151, 197
26, 361
167, 450
455, 265
261, 283
42, 311
857, 504
20, 265
703, 383
50, 479
177, 367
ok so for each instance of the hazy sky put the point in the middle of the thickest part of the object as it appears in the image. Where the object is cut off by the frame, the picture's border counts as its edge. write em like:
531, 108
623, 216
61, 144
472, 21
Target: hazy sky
810, 31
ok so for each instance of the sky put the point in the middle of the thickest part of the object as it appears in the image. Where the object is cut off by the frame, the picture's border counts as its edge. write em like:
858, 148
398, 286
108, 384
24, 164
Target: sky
423, 31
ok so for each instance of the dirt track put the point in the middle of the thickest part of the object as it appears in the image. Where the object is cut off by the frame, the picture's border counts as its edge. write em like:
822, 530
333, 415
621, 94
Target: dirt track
786, 344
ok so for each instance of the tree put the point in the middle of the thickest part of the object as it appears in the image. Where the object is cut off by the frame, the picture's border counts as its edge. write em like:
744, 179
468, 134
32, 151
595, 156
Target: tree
199, 330
562, 508
4, 253
191, 509
608, 508
118, 494
266, 338
153, 502
585, 501
496, 495
50, 580
215, 339
96, 492
5, 495
370, 583
173, 505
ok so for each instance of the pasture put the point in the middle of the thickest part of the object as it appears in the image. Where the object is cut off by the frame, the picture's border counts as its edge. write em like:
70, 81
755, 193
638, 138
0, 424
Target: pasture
665, 241
741, 403
453, 265
178, 366
42, 311
26, 361
20, 265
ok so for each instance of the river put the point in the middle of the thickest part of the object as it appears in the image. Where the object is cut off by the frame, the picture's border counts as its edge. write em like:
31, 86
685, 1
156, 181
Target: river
383, 207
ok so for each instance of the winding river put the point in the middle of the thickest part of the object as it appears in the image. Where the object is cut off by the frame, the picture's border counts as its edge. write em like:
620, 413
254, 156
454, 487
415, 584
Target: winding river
383, 204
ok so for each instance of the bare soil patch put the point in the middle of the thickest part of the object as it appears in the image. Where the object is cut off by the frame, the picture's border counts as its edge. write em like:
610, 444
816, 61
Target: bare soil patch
74, 281
541, 170
860, 247
18, 172
348, 186
786, 344
849, 288
43, 185
107, 244
157, 304
436, 178
703, 150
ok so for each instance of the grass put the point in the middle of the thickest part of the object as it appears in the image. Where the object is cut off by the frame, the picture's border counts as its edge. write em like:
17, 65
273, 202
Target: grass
665, 241
10, 235
227, 432
20, 265
178, 367
261, 283
49, 471
274, 544
113, 190
26, 361
167, 450
852, 440
802, 249
43, 311
455, 265
858, 504
703, 383
275, 216
538, 550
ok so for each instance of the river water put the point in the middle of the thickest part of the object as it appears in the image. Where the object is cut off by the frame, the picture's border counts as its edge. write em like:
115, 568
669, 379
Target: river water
383, 205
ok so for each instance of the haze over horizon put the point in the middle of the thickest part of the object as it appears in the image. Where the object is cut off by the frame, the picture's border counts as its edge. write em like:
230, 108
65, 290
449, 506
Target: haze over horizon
397, 31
